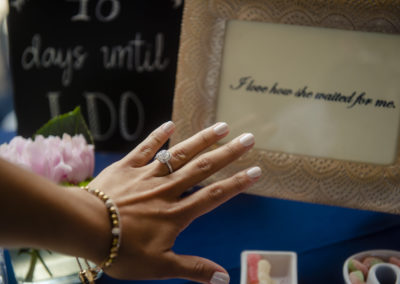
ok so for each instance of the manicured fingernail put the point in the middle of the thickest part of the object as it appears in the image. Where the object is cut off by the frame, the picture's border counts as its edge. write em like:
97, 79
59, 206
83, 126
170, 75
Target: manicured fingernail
247, 139
221, 128
254, 172
168, 126
220, 278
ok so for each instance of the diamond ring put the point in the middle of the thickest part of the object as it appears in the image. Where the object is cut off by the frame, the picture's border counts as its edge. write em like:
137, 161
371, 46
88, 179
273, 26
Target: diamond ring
164, 156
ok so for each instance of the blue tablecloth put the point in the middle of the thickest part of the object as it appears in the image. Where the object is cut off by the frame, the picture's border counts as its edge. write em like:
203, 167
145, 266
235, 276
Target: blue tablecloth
322, 236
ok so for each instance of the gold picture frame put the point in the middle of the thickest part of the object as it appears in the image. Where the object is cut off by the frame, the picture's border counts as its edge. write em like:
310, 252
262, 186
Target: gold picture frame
287, 176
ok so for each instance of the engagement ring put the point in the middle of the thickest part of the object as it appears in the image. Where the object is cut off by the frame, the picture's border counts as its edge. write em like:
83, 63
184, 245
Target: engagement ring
164, 156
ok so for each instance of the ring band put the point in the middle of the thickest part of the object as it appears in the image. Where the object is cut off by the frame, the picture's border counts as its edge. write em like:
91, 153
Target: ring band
164, 156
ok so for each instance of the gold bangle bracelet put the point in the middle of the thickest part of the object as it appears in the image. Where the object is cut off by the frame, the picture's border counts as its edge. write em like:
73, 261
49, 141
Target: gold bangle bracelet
89, 274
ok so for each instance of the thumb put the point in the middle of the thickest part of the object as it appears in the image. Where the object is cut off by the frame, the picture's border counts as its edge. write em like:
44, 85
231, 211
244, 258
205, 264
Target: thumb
200, 269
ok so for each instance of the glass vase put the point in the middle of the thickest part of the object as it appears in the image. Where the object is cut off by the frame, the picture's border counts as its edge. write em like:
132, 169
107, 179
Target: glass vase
44, 267
3, 269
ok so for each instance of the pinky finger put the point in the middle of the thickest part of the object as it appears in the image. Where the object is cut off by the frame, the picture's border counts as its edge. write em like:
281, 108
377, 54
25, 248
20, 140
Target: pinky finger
210, 197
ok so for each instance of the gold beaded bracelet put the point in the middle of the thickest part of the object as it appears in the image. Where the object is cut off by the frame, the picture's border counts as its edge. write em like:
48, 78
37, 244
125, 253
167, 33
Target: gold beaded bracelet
88, 275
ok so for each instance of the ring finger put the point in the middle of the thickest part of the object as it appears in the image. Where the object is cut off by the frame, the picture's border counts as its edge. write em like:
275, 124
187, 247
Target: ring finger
186, 150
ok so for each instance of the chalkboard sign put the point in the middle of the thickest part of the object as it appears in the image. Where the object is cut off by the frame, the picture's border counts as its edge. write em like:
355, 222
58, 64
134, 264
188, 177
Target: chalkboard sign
114, 58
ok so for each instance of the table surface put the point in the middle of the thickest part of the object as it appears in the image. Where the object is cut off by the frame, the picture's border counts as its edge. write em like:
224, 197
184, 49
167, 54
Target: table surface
322, 236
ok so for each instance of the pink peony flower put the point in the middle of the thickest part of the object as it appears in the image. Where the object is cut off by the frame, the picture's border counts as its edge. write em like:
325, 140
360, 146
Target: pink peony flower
66, 159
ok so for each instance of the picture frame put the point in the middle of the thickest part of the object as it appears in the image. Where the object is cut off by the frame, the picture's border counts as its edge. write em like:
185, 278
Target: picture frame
286, 175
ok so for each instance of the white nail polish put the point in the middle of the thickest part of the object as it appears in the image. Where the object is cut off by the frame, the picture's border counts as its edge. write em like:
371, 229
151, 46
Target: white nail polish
247, 139
221, 128
254, 172
220, 278
168, 126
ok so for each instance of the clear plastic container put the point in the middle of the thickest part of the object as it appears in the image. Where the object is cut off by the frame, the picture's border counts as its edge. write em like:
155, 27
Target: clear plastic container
283, 266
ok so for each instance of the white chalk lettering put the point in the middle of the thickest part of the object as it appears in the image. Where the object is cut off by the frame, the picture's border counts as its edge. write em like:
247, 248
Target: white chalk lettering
67, 60
92, 100
105, 10
83, 11
177, 3
129, 103
137, 55
112, 14
54, 103
123, 110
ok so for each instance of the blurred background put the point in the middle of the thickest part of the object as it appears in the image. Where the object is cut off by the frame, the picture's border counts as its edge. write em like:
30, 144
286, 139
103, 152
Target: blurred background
7, 115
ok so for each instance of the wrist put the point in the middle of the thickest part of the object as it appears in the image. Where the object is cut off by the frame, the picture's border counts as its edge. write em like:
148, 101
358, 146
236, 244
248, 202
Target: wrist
49, 216
114, 219
90, 226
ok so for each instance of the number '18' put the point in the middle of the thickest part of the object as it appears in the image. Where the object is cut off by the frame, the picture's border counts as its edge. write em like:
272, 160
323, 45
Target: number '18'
102, 13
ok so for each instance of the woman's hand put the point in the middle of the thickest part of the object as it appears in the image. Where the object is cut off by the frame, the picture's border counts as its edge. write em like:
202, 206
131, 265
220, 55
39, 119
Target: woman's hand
153, 211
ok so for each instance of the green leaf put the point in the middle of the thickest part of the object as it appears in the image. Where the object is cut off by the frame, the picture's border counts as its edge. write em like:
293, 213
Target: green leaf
72, 123
82, 183
32, 266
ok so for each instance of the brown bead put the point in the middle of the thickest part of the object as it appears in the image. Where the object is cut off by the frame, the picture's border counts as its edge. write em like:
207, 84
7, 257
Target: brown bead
108, 263
114, 219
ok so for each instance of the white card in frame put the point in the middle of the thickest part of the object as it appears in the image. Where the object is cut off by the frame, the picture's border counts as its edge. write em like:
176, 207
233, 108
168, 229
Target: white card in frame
315, 81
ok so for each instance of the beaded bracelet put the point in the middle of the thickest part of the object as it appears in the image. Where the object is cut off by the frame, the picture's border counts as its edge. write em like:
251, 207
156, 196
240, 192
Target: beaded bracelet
89, 274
